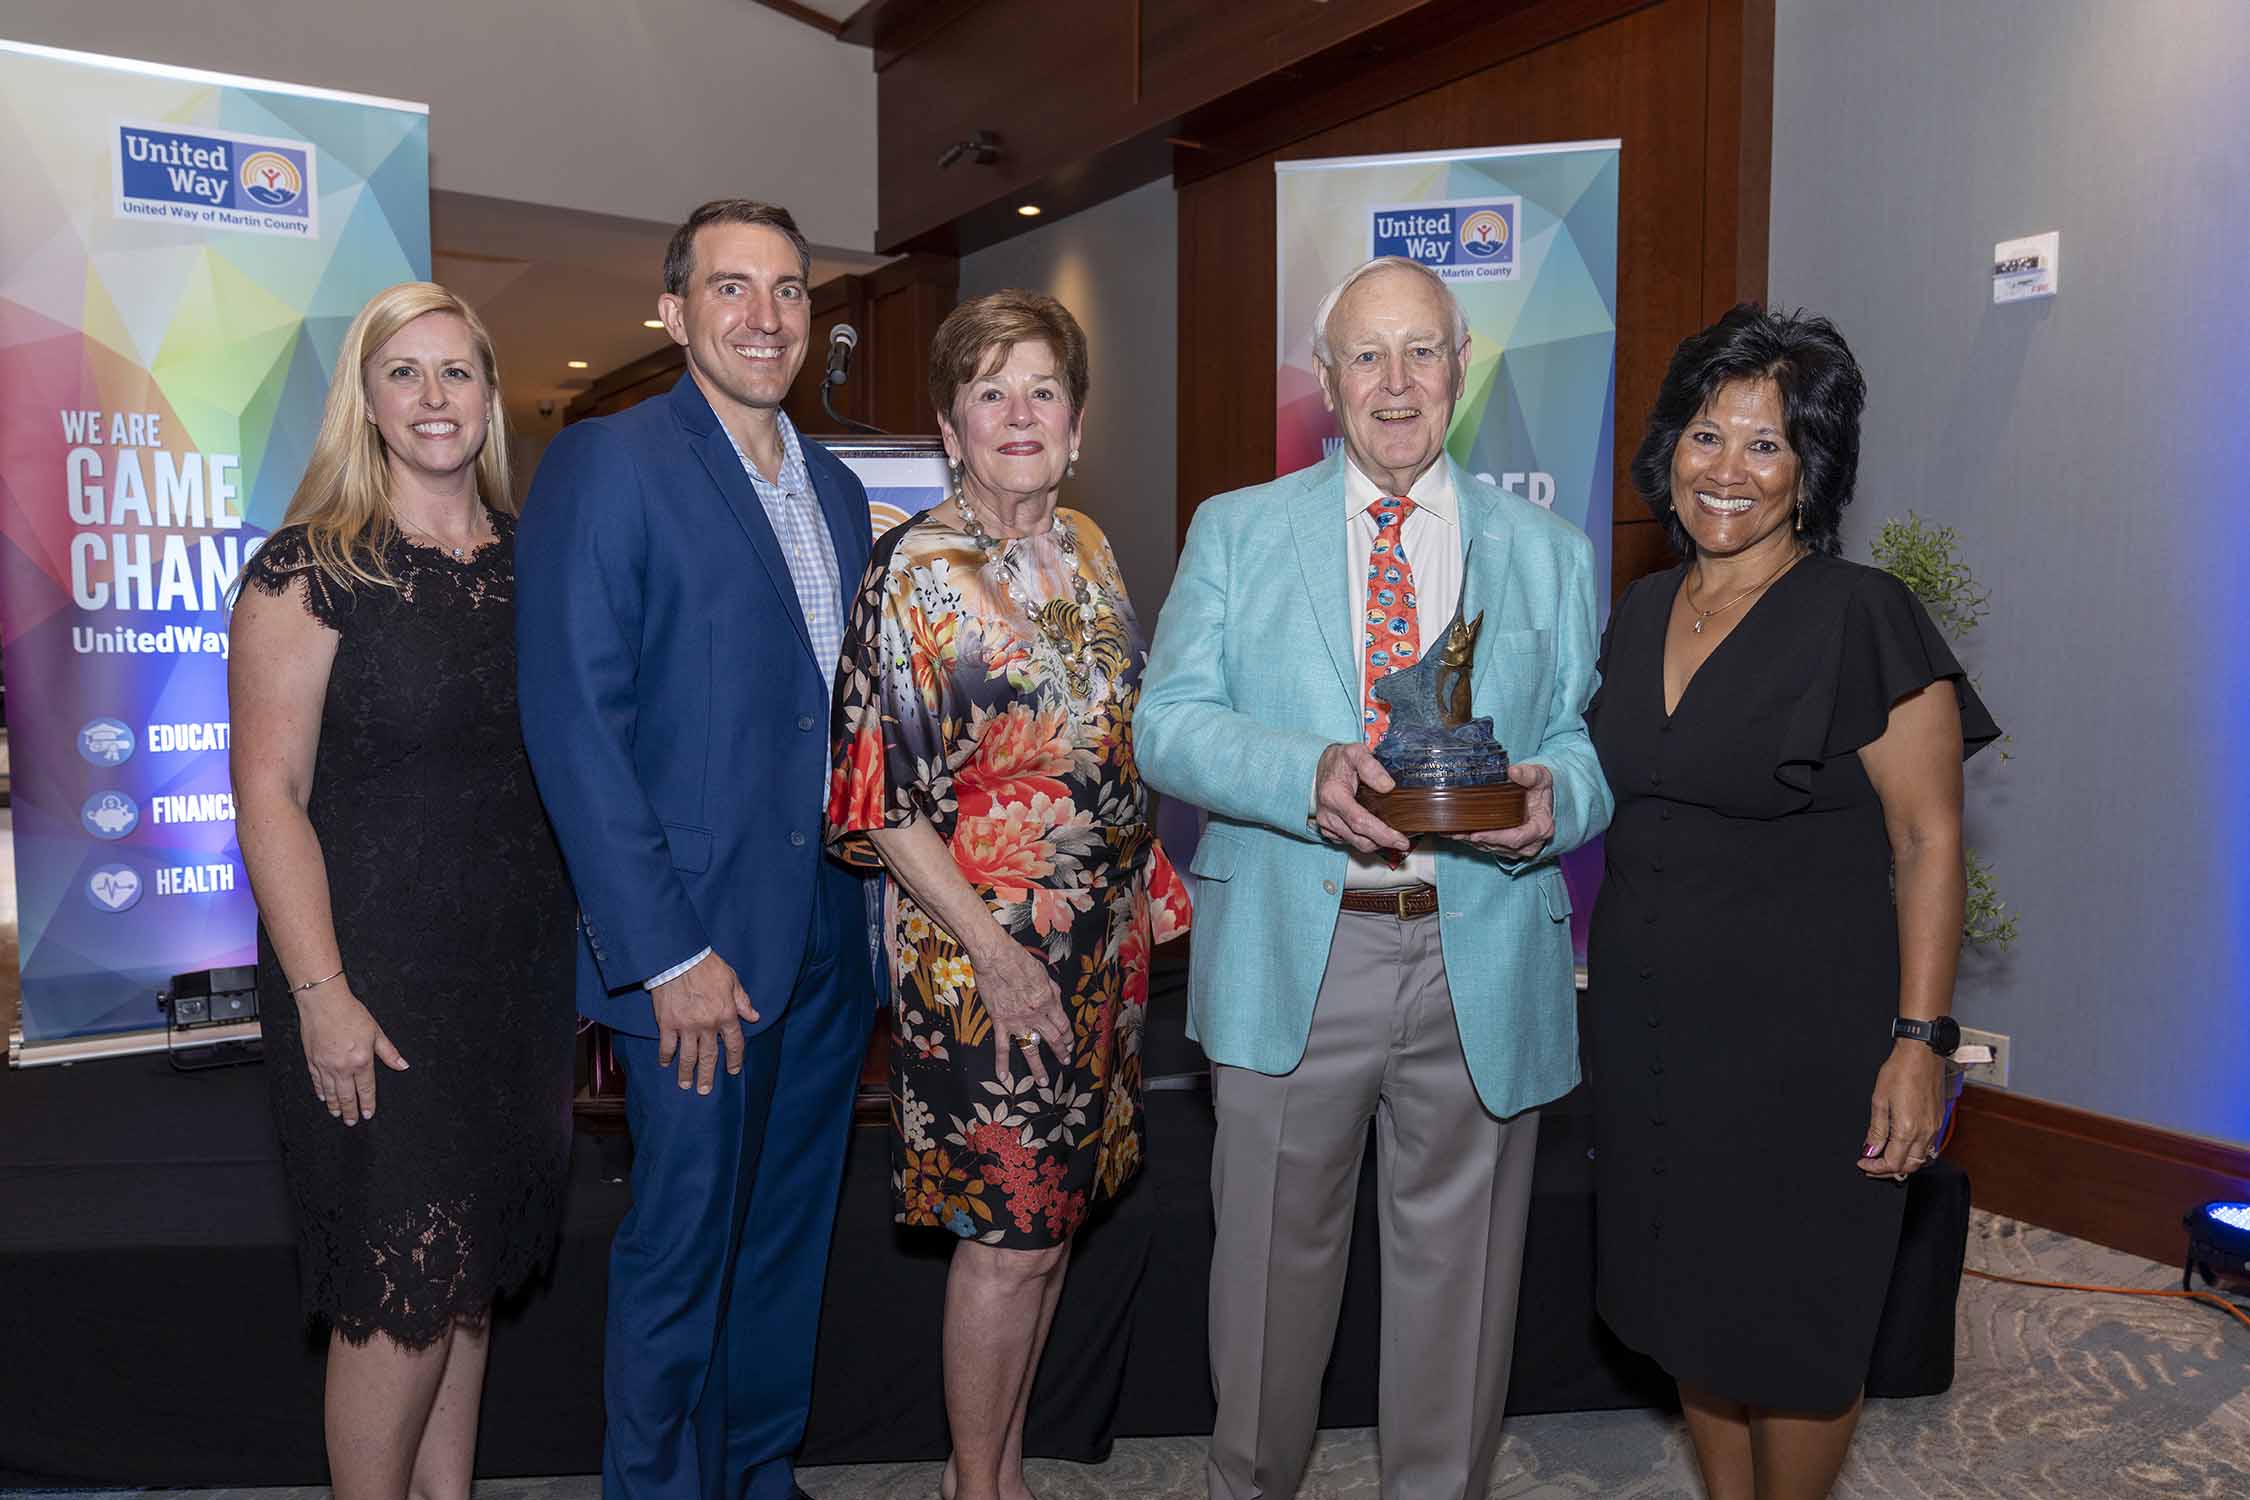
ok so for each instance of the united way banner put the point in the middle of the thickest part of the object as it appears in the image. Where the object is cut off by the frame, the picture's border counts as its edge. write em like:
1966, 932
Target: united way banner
180, 255
1527, 239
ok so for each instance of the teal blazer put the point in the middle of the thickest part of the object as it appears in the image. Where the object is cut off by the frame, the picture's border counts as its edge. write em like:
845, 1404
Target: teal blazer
1255, 670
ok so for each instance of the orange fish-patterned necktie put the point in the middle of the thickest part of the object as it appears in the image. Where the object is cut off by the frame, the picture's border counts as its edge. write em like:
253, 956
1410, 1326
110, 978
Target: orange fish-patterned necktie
1392, 634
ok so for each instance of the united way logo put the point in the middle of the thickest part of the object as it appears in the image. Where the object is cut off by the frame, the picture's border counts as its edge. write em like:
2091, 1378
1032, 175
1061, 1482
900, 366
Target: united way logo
1486, 234
105, 742
271, 179
215, 179
110, 815
1471, 239
115, 888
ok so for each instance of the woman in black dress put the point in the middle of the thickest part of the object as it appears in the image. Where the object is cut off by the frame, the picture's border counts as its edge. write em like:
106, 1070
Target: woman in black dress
415, 933
1784, 732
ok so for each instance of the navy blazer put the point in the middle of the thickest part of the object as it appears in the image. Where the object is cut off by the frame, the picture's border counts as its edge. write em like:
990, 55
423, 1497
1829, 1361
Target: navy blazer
676, 719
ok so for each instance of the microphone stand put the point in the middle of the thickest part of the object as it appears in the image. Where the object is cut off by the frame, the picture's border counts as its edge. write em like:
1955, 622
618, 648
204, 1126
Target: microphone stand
839, 418
839, 360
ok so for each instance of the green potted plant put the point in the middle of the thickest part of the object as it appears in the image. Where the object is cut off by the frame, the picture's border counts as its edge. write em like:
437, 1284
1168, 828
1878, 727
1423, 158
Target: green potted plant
1927, 559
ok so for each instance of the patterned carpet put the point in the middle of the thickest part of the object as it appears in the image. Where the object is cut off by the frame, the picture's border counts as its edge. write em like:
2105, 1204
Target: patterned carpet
2057, 1396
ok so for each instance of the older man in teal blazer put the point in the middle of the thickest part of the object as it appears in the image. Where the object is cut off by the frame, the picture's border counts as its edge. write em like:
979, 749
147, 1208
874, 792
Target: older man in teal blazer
1343, 973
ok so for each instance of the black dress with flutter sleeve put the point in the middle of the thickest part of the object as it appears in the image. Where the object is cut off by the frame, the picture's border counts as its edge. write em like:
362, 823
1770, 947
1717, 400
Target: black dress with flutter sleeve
1744, 973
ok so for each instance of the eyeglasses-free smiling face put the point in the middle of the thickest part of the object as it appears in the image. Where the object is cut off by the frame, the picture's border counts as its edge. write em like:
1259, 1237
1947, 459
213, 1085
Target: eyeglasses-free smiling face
1012, 427
427, 397
1734, 475
745, 317
1393, 375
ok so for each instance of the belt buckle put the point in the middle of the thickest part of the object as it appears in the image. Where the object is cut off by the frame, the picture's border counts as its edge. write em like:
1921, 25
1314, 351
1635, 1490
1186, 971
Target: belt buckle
1400, 898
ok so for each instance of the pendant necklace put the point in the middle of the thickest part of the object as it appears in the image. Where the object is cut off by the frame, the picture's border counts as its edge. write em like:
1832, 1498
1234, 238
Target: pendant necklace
1719, 609
459, 554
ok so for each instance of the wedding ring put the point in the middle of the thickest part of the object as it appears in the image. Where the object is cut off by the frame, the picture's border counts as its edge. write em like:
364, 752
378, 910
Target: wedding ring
1026, 1039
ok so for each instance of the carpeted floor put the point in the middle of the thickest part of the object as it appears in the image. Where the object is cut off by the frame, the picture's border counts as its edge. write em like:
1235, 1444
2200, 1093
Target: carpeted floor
2057, 1396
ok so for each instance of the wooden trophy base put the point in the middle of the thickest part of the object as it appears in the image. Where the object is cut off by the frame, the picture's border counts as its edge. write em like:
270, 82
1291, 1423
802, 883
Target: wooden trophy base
1447, 809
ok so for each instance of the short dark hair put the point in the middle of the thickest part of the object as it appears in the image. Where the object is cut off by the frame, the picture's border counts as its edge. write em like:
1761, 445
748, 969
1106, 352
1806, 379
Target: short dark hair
977, 335
1822, 395
679, 255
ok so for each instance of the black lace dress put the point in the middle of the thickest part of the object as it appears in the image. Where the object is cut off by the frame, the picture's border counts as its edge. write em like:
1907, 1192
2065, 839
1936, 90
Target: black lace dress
455, 924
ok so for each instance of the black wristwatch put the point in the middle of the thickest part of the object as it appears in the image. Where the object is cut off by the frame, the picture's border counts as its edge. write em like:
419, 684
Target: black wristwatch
1942, 1035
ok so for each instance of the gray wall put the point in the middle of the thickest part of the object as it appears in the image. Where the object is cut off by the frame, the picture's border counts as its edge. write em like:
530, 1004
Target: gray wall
1115, 267
2092, 451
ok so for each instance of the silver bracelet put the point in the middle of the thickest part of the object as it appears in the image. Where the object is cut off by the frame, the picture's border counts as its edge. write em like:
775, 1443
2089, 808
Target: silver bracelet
312, 984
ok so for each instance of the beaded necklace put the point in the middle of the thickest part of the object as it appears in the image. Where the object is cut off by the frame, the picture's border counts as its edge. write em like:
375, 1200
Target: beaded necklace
1048, 619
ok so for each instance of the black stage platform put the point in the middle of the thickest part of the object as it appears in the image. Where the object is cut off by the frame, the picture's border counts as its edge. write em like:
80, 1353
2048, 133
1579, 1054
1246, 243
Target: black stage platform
148, 1306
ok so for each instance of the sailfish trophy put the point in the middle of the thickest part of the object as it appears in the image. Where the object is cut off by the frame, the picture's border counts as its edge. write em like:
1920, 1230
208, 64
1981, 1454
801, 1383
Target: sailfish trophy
1451, 775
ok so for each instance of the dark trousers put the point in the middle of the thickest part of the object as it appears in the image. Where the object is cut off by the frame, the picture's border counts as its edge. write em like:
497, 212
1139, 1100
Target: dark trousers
715, 1274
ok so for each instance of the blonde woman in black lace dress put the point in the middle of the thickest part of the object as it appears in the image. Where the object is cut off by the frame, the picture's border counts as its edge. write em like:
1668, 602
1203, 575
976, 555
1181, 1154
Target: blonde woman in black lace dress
414, 953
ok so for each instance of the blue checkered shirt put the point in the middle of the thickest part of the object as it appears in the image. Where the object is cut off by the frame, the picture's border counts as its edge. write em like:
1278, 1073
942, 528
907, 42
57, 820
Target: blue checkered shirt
794, 511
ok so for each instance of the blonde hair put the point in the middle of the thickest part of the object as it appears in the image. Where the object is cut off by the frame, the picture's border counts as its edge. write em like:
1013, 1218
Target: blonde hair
344, 500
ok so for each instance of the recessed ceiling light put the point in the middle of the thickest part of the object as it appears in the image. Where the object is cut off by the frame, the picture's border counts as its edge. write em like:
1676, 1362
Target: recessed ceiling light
652, 322
576, 364
1028, 210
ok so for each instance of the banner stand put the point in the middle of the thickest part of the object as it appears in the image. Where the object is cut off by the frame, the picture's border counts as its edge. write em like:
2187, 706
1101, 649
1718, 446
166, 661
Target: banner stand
181, 257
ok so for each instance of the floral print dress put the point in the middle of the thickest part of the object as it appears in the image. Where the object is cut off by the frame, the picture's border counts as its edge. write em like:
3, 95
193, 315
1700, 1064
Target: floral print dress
988, 687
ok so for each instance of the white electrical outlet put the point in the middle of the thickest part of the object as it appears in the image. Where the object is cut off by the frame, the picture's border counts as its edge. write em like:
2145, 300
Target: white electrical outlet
1993, 1069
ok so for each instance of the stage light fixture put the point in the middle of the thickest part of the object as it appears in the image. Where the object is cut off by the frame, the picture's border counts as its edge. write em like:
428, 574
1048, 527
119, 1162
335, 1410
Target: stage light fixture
2219, 1249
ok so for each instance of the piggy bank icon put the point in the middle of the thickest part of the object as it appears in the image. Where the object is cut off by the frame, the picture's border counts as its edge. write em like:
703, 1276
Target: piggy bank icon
110, 815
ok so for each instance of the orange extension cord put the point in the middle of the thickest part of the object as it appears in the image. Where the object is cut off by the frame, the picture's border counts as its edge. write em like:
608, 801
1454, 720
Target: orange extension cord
2208, 1299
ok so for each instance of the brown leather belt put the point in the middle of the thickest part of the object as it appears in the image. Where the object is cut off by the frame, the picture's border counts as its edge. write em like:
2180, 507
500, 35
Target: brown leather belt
1405, 903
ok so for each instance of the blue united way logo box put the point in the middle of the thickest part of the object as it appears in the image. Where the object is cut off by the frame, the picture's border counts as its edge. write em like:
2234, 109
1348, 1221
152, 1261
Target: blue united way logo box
1463, 239
216, 178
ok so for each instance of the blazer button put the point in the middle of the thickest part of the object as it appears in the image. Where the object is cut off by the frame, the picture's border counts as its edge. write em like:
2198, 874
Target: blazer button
797, 840
804, 722
1329, 886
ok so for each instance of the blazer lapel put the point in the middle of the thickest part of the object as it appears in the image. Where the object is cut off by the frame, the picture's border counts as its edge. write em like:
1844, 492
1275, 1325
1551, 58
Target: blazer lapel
1316, 515
716, 450
850, 529
1488, 540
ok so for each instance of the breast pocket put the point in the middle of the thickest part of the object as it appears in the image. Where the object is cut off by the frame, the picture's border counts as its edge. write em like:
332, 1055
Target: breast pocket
1513, 679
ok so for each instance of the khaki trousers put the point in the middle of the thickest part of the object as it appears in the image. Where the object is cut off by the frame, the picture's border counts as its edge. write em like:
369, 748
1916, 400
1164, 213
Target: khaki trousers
1453, 1191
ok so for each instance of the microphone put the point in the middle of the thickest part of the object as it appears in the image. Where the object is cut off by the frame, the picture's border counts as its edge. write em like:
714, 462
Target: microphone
841, 342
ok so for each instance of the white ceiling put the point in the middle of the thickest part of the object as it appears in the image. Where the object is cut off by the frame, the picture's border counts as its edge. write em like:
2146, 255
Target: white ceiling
834, 10
556, 284
636, 107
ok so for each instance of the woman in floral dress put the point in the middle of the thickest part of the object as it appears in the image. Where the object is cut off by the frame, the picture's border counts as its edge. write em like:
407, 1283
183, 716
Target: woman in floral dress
984, 756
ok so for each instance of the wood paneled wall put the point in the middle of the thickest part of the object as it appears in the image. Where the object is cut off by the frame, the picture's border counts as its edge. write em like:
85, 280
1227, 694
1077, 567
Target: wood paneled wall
896, 308
1685, 84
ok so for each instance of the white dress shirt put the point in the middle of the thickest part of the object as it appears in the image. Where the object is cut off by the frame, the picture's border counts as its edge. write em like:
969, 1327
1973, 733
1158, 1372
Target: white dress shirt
1431, 539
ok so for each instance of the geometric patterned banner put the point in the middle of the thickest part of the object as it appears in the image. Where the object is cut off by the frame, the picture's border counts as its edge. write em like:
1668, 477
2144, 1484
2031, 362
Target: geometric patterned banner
180, 255
1527, 238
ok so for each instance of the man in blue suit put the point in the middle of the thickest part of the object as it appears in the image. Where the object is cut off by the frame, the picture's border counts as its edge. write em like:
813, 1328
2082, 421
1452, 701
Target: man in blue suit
682, 568
1341, 972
